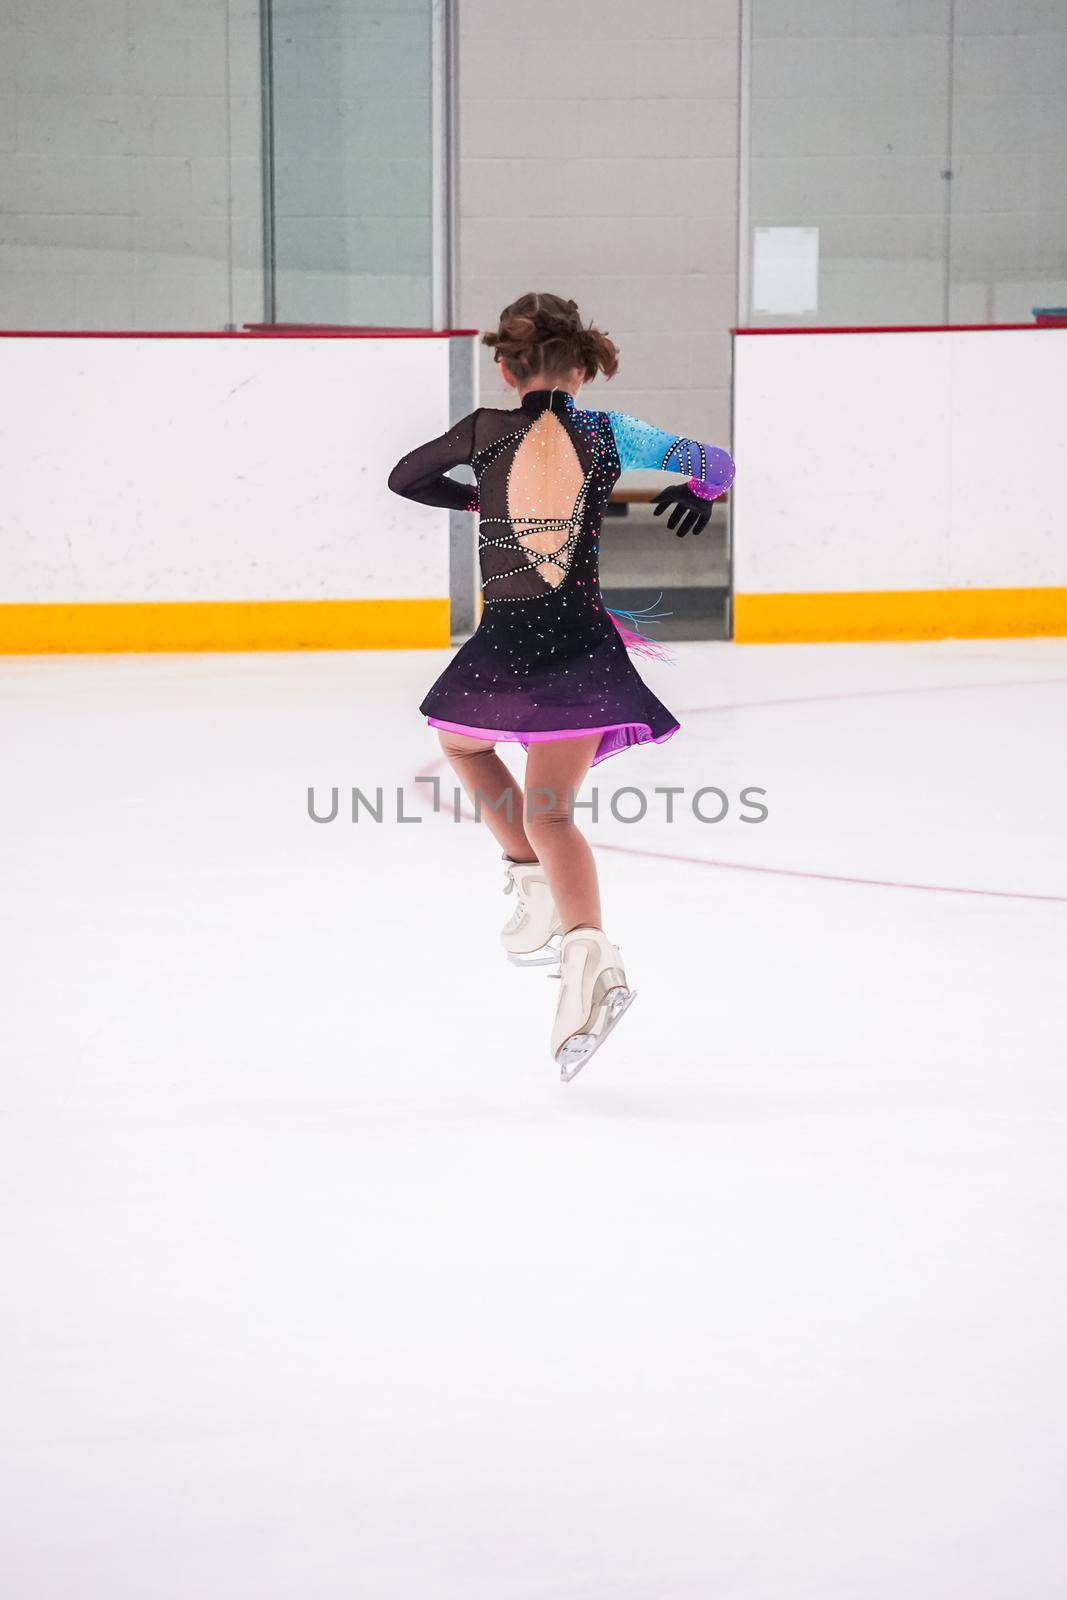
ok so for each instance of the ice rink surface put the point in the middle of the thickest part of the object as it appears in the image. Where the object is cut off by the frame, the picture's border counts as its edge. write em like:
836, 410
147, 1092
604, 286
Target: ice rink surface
320, 1285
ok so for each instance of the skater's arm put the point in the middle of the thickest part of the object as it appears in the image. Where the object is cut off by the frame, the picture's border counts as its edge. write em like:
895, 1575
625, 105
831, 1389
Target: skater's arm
422, 474
710, 469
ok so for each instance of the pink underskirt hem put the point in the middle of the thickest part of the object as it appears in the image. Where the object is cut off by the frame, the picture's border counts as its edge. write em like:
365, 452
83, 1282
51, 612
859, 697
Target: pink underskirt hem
640, 731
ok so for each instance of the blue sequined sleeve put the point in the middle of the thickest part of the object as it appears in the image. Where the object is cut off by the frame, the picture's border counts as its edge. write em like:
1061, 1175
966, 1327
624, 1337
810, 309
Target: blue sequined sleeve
710, 468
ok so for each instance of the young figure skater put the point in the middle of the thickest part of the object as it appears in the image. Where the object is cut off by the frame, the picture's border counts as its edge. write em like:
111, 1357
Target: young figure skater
549, 665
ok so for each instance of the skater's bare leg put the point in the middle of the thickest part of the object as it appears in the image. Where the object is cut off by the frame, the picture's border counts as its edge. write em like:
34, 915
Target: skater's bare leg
490, 787
554, 774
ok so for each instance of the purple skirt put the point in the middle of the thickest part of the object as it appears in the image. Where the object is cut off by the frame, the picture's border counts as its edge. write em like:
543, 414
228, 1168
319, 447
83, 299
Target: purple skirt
521, 678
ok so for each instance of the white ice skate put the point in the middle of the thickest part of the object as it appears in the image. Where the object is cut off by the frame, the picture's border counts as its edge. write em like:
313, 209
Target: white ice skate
593, 996
532, 933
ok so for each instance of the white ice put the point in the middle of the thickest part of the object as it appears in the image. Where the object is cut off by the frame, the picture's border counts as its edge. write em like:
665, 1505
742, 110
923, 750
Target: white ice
320, 1285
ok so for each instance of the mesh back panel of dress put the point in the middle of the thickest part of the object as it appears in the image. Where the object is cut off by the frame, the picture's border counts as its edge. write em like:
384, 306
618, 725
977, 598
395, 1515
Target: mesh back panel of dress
533, 488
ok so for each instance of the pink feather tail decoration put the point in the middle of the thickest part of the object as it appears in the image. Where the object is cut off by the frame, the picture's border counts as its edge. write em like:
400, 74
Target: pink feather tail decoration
639, 644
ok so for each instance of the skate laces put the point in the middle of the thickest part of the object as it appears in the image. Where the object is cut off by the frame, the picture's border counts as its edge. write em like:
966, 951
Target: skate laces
518, 916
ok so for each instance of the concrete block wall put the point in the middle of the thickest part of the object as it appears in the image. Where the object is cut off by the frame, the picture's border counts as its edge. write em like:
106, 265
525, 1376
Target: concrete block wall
598, 160
598, 157
857, 112
130, 164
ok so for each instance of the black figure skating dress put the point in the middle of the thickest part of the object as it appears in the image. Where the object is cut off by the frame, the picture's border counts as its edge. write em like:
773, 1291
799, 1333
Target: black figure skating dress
548, 659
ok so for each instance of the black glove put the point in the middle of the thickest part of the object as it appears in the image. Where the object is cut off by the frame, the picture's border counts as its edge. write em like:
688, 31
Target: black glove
691, 511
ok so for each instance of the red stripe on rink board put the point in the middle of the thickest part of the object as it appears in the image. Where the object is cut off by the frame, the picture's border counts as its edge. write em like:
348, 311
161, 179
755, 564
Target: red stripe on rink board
317, 329
433, 767
922, 327
249, 334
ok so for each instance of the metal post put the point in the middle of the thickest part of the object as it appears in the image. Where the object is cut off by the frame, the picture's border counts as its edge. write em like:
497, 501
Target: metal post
462, 527
443, 157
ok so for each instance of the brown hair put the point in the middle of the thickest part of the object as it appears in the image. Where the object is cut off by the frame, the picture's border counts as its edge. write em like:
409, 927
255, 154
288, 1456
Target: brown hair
545, 333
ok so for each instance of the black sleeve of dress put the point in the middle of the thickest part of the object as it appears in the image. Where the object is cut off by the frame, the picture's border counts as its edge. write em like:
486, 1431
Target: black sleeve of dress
421, 474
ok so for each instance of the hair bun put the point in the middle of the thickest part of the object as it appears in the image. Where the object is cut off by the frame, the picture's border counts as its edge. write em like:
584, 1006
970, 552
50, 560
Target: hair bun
567, 319
543, 333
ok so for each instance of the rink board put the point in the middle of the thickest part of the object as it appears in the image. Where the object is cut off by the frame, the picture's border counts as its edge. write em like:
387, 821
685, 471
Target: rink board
218, 493
900, 484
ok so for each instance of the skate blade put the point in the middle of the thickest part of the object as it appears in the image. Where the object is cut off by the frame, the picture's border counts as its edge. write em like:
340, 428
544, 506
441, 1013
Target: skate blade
546, 956
579, 1047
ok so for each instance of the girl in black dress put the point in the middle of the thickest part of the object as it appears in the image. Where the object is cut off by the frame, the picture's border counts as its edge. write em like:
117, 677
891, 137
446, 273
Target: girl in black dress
549, 665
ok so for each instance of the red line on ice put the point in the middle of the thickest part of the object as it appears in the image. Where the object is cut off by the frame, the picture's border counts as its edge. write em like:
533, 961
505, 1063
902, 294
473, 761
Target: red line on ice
432, 767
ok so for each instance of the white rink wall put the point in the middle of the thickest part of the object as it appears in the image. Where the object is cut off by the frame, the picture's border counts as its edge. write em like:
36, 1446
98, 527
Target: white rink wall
210, 469
900, 461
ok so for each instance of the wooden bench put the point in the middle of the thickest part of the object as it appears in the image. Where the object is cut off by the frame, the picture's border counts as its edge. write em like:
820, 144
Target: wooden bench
622, 499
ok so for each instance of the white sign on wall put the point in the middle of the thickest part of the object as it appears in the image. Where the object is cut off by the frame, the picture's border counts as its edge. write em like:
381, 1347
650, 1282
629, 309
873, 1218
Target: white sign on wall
785, 270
